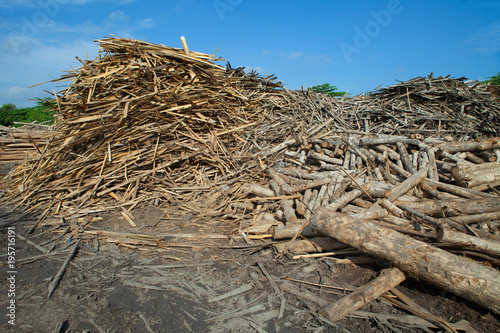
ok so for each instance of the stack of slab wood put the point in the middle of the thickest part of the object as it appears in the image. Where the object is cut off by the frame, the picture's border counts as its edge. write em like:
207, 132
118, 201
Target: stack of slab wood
19, 143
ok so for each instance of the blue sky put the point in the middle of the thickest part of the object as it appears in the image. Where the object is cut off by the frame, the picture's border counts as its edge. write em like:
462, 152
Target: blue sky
355, 45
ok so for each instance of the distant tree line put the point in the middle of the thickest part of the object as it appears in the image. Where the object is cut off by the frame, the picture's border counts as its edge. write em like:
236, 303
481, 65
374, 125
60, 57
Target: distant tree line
494, 80
329, 90
42, 112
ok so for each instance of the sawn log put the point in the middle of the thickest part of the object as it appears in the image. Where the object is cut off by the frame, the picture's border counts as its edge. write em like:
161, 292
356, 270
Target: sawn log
461, 276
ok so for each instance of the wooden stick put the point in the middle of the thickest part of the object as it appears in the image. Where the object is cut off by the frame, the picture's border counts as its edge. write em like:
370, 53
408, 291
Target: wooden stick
407, 185
36, 246
476, 218
288, 211
258, 190
477, 176
453, 147
433, 172
55, 281
327, 159
388, 279
290, 189
405, 158
475, 243
310, 245
458, 190
452, 207
345, 199
290, 231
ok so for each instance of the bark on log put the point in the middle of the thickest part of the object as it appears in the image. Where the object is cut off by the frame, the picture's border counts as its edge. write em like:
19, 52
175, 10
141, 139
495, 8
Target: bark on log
300, 207
327, 159
395, 210
474, 159
311, 245
458, 190
453, 147
290, 189
345, 199
389, 140
387, 279
407, 185
288, 211
461, 276
454, 207
258, 190
275, 187
405, 158
433, 171
477, 176
290, 231
489, 157
476, 218
390, 152
472, 242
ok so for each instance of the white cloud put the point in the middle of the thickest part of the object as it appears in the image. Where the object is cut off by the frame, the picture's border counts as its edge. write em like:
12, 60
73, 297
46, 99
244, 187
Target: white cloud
266, 52
486, 40
258, 69
146, 23
43, 63
117, 15
16, 91
295, 55
302, 55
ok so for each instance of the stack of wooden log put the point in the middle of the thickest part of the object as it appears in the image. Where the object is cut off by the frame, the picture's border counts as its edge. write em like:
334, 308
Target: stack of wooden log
420, 205
19, 143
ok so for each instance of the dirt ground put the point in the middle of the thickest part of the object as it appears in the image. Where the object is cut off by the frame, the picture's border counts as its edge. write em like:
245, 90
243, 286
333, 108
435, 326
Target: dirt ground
183, 288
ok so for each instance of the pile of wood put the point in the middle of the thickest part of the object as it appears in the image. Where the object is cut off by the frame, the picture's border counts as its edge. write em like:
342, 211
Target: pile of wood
20, 143
431, 106
422, 107
144, 121
421, 205
393, 174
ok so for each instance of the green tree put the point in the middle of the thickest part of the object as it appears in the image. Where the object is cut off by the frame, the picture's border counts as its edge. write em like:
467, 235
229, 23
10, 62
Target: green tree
328, 89
494, 80
42, 112
8, 114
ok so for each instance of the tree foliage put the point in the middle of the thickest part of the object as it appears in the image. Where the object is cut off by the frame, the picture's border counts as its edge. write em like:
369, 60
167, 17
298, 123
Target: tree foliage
42, 112
329, 90
494, 80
